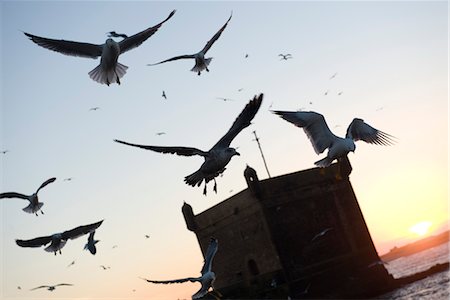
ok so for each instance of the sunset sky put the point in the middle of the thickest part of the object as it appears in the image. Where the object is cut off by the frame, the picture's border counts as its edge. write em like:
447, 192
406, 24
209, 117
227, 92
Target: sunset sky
391, 60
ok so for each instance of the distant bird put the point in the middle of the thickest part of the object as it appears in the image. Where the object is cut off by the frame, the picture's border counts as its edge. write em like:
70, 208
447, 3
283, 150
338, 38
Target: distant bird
19, 288
322, 138
246, 55
68, 179
208, 276
115, 34
340, 93
71, 264
147, 236
219, 155
240, 90
51, 288
90, 245
201, 63
109, 70
285, 56
164, 95
105, 267
4, 151
224, 99
334, 75
321, 234
326, 93
34, 205
114, 247
58, 240
94, 108
160, 133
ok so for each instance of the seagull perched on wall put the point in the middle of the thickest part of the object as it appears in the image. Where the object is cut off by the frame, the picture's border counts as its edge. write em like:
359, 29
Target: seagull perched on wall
208, 277
90, 245
322, 138
59, 240
34, 205
109, 70
219, 155
201, 63
51, 288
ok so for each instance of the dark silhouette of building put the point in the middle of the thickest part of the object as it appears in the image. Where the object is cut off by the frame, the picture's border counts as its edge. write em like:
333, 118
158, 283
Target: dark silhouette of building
300, 235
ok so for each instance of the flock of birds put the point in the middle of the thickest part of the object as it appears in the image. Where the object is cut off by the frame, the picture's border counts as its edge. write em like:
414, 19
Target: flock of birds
215, 159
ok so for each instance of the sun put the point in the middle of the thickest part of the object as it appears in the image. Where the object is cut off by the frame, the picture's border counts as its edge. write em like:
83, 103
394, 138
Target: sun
421, 228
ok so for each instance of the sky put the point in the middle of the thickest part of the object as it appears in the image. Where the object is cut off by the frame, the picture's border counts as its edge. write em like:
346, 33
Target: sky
391, 60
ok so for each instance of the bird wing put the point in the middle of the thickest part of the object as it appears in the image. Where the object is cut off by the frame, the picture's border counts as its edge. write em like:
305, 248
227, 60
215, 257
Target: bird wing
13, 195
40, 287
62, 284
184, 151
34, 243
173, 58
137, 39
191, 279
241, 122
45, 183
80, 230
314, 125
202, 291
68, 47
91, 236
216, 36
212, 249
359, 130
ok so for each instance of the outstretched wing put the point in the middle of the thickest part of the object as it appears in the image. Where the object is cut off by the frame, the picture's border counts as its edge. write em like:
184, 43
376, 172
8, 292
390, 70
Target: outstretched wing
184, 151
64, 284
241, 122
40, 287
45, 183
191, 279
80, 230
68, 47
137, 39
34, 243
212, 249
13, 195
216, 36
314, 126
358, 130
174, 58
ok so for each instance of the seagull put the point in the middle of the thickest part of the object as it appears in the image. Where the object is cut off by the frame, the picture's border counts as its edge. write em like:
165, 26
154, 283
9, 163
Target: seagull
208, 277
104, 267
240, 90
4, 151
246, 55
322, 138
147, 236
160, 133
219, 155
94, 108
34, 205
109, 70
285, 56
224, 99
71, 264
58, 240
201, 63
115, 34
115, 246
19, 288
332, 76
51, 288
326, 93
90, 245
164, 95
340, 93
321, 234
68, 179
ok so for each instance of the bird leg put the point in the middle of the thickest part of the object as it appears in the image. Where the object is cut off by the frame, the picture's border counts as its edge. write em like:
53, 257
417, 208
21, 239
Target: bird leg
107, 82
207, 70
117, 76
60, 252
215, 186
42, 212
36, 214
198, 73
204, 190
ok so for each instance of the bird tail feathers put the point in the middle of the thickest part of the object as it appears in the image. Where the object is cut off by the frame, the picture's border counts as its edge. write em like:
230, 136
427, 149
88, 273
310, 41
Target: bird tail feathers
324, 162
31, 209
107, 77
194, 179
199, 68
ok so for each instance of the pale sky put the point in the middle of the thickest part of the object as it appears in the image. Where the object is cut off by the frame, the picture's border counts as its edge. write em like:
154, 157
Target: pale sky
391, 60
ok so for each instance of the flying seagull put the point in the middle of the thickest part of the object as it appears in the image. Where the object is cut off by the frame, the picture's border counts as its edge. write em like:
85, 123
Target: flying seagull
322, 138
90, 245
68, 179
109, 70
4, 151
58, 240
105, 267
285, 56
94, 108
224, 99
219, 155
71, 264
207, 278
334, 75
201, 63
51, 288
147, 236
34, 205
115, 34
160, 133
164, 95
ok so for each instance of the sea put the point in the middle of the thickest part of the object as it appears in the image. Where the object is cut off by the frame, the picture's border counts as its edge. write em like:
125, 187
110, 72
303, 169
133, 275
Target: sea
436, 286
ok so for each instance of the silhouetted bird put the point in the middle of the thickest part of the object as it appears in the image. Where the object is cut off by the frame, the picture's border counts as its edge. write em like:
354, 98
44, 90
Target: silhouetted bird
334, 75
322, 138
58, 240
201, 63
246, 55
285, 56
34, 205
208, 276
340, 93
90, 245
109, 70
164, 95
160, 133
147, 236
240, 90
71, 264
326, 93
94, 108
4, 151
105, 267
219, 155
224, 99
115, 34
68, 179
51, 288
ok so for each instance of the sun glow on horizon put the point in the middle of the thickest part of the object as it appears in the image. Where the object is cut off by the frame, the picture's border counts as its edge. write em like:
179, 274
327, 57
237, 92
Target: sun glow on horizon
421, 228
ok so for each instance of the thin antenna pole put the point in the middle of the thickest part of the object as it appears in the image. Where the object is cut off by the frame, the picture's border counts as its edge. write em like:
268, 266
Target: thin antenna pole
262, 154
